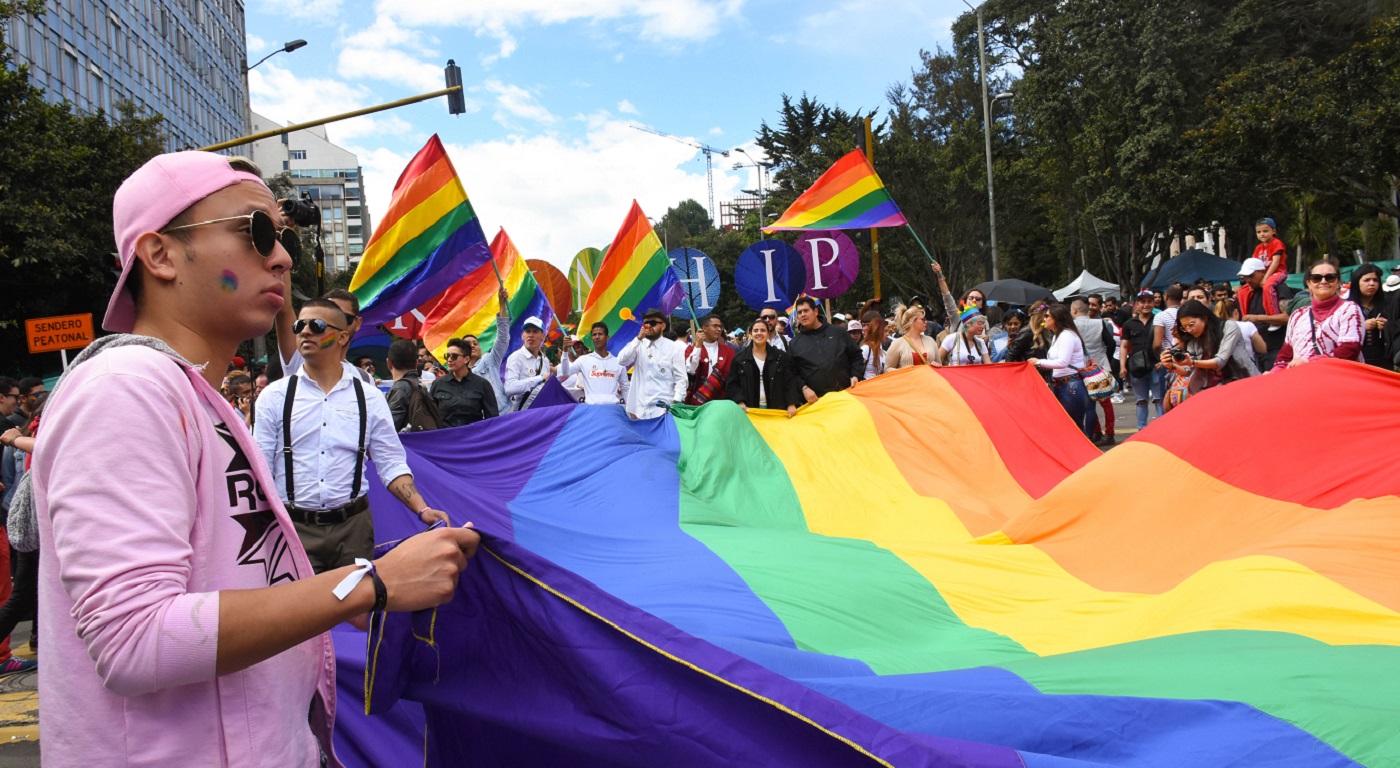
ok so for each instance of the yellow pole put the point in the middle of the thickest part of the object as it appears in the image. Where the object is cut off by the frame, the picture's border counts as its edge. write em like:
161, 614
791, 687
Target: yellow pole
249, 139
874, 233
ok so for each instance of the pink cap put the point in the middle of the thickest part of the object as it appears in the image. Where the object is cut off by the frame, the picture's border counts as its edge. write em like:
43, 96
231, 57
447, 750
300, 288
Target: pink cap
854, 325
157, 192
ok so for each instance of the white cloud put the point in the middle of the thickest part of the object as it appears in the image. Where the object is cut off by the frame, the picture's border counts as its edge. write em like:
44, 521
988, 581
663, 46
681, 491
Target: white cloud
655, 20
256, 45
626, 108
557, 195
386, 51
513, 101
716, 131
279, 94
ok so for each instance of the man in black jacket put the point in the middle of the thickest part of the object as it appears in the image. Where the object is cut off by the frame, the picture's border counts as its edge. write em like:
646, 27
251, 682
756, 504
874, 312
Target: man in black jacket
826, 358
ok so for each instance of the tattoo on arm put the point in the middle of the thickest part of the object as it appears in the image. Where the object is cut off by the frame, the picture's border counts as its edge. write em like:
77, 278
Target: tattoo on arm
405, 490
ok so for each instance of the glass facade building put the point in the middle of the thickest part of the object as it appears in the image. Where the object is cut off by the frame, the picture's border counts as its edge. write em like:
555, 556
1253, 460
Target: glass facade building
182, 59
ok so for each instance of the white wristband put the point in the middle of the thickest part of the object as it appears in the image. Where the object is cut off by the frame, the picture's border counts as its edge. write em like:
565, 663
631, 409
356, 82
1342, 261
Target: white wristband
352, 579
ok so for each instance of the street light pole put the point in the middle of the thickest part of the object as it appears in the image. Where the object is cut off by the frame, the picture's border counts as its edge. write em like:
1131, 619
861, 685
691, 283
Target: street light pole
260, 342
987, 134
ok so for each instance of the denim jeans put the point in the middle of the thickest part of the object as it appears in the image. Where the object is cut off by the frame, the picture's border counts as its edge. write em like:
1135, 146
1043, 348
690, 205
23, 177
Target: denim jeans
1161, 378
1075, 400
1142, 390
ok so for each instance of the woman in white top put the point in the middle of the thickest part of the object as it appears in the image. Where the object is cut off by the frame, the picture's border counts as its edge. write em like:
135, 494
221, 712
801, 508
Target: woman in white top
1065, 359
967, 347
872, 347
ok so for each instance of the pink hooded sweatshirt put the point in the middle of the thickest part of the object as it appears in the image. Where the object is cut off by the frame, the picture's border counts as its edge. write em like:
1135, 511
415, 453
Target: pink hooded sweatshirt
151, 499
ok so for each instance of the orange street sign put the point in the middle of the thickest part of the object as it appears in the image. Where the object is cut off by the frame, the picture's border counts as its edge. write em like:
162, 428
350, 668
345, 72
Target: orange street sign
47, 334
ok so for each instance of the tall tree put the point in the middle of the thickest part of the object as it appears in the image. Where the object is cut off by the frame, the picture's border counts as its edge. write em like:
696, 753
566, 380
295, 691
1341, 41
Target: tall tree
58, 174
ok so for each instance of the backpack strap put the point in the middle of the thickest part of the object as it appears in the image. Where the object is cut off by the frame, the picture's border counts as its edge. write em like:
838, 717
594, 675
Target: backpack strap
364, 425
287, 438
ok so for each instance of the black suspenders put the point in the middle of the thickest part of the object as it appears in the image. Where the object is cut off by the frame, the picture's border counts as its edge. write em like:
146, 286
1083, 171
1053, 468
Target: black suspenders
287, 438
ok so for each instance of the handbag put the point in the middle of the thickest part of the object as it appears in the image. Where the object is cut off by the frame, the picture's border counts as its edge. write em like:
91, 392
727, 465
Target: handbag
1177, 391
1099, 383
1139, 364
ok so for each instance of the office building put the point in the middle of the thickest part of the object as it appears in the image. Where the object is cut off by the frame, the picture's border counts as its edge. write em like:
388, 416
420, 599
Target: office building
182, 59
331, 175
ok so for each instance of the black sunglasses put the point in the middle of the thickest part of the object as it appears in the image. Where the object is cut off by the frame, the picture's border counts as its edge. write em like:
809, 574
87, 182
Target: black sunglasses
654, 322
263, 231
316, 324
1325, 277
450, 356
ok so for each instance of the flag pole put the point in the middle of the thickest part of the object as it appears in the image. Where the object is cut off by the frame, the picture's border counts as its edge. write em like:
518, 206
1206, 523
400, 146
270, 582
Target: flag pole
874, 232
910, 227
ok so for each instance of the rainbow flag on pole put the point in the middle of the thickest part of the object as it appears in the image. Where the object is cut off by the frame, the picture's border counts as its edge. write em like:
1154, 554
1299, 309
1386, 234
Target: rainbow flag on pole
428, 240
635, 276
849, 195
471, 306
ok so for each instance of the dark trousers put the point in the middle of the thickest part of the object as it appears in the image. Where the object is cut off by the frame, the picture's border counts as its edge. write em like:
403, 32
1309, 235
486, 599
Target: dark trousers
24, 598
331, 546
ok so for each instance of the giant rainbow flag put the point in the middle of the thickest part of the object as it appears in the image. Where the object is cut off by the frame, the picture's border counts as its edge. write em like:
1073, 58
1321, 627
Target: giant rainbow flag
428, 239
848, 196
932, 568
635, 276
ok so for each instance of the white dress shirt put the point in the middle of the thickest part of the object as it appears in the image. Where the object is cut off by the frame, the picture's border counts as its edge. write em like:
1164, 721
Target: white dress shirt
692, 363
524, 372
325, 438
602, 379
659, 377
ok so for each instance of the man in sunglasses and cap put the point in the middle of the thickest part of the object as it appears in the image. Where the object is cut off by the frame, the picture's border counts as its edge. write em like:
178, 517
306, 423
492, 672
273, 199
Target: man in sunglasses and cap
316, 427
659, 377
182, 622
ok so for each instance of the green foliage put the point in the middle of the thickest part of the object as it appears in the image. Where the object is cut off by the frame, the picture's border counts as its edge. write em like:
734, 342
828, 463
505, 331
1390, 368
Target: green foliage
58, 174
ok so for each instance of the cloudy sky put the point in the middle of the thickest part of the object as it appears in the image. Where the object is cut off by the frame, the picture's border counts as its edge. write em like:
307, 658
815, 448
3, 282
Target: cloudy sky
553, 87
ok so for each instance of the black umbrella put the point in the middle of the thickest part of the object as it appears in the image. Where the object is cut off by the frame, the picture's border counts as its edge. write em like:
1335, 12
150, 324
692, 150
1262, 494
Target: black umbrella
1013, 291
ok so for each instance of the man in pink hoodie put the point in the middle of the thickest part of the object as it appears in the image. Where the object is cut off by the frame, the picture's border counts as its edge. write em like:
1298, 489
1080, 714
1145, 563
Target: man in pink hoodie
182, 622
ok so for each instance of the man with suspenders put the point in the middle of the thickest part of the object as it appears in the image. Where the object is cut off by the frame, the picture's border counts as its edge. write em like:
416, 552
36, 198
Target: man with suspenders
315, 428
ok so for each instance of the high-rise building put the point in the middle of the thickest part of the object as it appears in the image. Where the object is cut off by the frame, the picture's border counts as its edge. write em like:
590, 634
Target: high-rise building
182, 59
330, 175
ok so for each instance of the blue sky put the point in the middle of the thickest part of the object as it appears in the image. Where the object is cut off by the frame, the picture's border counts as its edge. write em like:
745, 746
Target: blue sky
552, 86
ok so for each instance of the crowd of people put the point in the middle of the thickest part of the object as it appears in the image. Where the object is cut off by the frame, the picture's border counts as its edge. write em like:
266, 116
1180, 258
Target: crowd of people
170, 570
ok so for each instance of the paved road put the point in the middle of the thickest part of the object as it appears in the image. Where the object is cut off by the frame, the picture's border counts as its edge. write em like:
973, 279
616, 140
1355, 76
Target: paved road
19, 710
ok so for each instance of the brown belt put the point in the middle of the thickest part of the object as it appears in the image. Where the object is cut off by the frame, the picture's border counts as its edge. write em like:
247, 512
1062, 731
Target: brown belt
1062, 380
334, 516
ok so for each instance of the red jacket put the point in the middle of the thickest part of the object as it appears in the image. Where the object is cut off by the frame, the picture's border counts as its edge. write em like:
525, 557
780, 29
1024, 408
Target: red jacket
707, 383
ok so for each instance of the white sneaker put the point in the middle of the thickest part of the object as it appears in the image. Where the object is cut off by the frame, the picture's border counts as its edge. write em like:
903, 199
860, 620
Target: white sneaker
1117, 398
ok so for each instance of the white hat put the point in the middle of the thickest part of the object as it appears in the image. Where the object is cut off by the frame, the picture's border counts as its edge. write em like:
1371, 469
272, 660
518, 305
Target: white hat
854, 325
1392, 283
533, 321
1252, 265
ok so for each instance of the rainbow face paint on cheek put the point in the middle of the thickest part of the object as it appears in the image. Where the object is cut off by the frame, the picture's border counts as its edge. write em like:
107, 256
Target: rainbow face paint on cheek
328, 342
228, 282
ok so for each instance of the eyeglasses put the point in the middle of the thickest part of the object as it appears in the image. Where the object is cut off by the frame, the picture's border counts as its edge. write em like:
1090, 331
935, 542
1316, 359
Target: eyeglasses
650, 323
975, 298
350, 319
450, 356
1324, 277
15, 395
316, 324
264, 233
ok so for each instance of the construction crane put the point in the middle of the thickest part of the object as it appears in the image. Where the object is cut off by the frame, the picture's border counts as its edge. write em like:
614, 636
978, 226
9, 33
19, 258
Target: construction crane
709, 160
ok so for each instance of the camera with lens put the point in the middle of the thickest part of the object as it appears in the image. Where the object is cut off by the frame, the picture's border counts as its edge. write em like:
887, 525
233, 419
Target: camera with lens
1179, 356
302, 211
